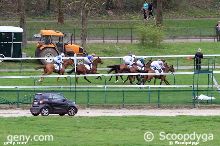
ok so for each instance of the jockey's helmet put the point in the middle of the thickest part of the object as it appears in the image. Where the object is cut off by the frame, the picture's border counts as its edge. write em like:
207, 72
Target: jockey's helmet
93, 54
62, 54
133, 56
199, 50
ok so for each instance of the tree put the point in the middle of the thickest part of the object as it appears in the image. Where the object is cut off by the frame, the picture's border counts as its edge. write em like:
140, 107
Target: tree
22, 21
60, 12
86, 7
159, 18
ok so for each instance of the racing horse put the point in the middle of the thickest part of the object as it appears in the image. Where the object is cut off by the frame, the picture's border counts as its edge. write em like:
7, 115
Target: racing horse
115, 69
161, 77
81, 69
133, 69
50, 68
139, 78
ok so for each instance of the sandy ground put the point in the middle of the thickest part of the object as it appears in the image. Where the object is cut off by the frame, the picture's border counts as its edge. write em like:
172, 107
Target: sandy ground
124, 112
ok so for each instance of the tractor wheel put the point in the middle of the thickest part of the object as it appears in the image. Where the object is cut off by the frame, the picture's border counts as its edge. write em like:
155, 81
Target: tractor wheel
49, 54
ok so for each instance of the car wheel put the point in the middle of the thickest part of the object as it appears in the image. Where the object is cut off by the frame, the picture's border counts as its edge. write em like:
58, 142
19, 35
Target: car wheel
44, 111
72, 111
61, 114
49, 54
35, 114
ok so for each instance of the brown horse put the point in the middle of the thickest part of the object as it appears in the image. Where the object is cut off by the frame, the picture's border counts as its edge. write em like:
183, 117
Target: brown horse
49, 68
81, 69
123, 68
161, 77
134, 69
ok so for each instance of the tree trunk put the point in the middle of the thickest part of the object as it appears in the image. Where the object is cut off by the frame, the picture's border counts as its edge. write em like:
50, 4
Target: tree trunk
48, 5
60, 12
119, 4
159, 17
84, 23
22, 22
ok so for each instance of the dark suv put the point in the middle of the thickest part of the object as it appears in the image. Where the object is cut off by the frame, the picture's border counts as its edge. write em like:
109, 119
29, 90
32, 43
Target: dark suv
52, 103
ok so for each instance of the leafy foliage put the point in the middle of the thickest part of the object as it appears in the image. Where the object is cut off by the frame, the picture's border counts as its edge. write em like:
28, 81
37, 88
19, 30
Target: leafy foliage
150, 34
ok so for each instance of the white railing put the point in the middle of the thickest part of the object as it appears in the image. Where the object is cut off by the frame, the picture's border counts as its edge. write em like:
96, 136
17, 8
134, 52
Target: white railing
106, 86
160, 56
96, 75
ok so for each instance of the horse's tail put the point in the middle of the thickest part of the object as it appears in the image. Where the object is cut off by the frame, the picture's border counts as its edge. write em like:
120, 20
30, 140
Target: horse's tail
39, 67
115, 68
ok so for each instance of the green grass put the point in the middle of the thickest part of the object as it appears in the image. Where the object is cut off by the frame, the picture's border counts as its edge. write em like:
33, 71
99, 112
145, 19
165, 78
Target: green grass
122, 29
111, 131
111, 96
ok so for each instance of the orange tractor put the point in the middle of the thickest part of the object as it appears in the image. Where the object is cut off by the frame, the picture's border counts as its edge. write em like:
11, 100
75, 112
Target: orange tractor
52, 43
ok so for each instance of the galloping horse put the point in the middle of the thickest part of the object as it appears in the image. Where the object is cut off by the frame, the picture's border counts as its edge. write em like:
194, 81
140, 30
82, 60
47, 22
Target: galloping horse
49, 68
161, 77
122, 68
116, 69
135, 69
81, 69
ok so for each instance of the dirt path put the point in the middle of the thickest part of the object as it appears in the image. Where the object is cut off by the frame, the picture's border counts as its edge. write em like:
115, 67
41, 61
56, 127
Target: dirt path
124, 112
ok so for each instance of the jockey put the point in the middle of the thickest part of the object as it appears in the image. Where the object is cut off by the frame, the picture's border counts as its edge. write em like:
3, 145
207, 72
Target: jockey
140, 63
158, 66
89, 59
129, 60
58, 60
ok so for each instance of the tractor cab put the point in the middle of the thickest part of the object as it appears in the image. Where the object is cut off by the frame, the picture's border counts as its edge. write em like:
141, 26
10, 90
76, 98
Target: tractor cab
51, 44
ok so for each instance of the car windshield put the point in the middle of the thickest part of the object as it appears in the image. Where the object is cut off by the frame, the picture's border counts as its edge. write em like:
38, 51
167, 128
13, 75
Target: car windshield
38, 96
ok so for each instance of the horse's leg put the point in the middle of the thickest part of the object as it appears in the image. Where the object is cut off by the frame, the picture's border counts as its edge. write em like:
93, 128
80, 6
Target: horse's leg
155, 81
77, 79
99, 77
110, 78
116, 79
138, 77
162, 80
131, 79
126, 79
42, 78
166, 82
121, 78
87, 79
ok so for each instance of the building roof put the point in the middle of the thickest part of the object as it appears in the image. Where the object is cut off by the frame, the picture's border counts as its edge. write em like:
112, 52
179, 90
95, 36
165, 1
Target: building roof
10, 29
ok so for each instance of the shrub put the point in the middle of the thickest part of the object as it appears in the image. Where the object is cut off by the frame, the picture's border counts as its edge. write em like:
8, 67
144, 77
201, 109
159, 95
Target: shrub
150, 34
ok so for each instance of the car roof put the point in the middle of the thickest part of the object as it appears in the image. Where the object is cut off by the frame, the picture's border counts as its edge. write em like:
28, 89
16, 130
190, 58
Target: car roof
48, 93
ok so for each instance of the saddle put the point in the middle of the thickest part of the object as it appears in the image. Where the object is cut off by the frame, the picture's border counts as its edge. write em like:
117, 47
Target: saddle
88, 66
140, 68
57, 67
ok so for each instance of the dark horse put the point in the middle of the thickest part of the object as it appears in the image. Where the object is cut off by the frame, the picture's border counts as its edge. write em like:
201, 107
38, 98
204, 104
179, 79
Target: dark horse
161, 77
81, 69
120, 68
124, 69
49, 68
